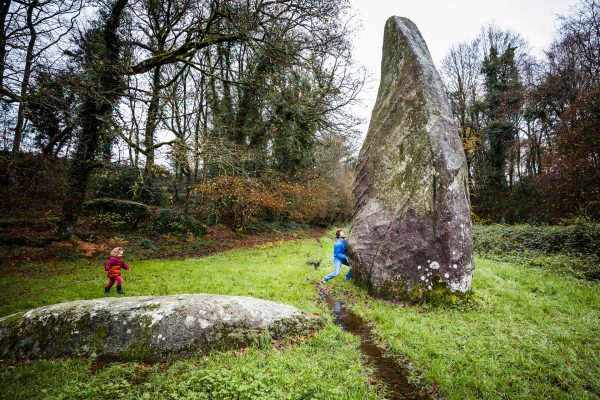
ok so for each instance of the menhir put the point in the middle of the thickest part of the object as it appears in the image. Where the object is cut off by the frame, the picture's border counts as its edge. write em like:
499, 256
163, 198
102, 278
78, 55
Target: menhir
411, 230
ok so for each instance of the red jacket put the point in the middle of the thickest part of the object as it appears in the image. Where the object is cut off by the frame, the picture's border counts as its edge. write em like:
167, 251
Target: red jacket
113, 266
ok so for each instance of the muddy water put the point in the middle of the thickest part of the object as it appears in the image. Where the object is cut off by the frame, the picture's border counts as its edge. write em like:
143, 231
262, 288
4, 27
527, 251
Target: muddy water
387, 370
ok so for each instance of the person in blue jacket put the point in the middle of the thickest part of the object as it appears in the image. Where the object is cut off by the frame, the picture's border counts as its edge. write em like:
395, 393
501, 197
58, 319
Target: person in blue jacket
339, 256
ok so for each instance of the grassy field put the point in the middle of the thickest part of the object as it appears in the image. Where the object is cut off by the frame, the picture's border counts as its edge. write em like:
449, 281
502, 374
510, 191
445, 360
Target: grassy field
528, 334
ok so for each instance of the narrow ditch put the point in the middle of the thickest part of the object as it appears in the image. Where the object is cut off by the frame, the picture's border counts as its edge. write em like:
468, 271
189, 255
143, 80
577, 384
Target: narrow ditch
393, 376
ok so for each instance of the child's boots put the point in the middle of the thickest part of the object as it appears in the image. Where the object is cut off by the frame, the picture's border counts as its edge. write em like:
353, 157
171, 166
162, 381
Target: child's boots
107, 291
120, 290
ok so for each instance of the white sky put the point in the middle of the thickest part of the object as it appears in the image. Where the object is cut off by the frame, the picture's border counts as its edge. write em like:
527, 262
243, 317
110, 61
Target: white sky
443, 23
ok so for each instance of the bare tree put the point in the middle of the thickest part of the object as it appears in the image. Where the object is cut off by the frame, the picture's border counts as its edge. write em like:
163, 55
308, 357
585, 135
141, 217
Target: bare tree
30, 35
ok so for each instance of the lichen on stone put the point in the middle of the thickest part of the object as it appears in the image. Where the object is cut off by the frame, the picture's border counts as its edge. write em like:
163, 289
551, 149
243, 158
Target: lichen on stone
127, 329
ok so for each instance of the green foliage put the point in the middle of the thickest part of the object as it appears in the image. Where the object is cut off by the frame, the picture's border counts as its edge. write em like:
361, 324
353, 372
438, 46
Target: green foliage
176, 222
503, 96
577, 238
148, 244
571, 248
110, 221
125, 182
116, 213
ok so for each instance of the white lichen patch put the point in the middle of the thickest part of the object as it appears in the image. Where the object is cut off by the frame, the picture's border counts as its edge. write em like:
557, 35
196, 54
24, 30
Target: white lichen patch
454, 266
422, 278
419, 267
434, 265
156, 317
463, 285
203, 323
446, 275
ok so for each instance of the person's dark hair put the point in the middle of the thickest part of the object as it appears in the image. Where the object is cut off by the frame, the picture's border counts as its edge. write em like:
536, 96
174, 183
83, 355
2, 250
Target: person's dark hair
337, 233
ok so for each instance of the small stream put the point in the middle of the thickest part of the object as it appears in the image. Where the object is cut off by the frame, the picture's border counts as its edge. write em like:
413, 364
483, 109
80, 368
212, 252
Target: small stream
387, 371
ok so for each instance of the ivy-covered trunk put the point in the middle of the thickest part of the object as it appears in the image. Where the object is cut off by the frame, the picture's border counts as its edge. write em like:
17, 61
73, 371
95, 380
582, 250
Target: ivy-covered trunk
101, 88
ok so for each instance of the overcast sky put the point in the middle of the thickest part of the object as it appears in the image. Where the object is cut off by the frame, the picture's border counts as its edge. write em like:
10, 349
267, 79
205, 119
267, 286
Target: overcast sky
444, 22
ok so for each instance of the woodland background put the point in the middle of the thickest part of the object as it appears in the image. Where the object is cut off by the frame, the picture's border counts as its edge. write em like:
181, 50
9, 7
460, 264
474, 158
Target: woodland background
166, 117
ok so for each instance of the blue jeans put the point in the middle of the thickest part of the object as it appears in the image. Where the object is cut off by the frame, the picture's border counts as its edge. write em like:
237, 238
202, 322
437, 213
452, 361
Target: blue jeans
337, 264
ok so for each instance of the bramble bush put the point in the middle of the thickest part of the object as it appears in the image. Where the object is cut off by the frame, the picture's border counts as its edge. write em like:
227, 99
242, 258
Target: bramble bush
236, 201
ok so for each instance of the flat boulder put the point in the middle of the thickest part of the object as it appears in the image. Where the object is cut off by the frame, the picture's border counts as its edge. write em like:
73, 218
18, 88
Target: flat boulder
149, 327
411, 229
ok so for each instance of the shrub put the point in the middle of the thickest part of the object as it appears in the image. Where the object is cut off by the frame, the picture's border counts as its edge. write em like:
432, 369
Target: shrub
116, 213
240, 202
32, 184
173, 221
148, 244
571, 248
582, 238
127, 183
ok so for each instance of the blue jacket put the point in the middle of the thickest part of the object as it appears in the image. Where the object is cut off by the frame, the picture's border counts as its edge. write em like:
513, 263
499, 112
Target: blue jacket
339, 249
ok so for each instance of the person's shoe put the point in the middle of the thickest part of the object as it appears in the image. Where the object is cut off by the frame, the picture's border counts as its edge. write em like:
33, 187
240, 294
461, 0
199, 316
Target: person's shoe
323, 280
107, 291
119, 290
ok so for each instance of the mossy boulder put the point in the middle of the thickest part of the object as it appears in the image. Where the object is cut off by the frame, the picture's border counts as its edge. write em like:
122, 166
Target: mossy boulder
412, 224
149, 327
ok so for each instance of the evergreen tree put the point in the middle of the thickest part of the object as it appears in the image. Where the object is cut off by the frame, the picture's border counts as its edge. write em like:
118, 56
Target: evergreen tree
501, 110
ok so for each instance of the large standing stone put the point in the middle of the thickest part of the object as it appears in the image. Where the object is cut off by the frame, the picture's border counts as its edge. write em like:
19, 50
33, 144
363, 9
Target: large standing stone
411, 231
147, 327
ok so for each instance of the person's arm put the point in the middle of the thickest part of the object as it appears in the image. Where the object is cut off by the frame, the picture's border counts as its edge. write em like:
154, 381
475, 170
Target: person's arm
122, 263
107, 265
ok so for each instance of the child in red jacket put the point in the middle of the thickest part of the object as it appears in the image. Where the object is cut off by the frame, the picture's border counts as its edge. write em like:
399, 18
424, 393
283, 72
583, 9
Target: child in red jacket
113, 270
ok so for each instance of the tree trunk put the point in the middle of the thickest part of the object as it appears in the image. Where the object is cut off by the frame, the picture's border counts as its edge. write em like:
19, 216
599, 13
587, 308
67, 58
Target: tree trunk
152, 122
98, 101
4, 7
26, 76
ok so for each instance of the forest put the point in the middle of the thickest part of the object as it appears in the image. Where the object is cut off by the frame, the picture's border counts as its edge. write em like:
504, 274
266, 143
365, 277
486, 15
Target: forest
226, 112
194, 106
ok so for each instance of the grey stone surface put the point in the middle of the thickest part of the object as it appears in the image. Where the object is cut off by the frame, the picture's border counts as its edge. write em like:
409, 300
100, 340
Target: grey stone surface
411, 229
148, 328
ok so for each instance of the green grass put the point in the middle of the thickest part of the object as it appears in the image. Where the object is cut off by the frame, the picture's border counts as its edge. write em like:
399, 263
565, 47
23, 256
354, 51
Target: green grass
530, 334
326, 366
